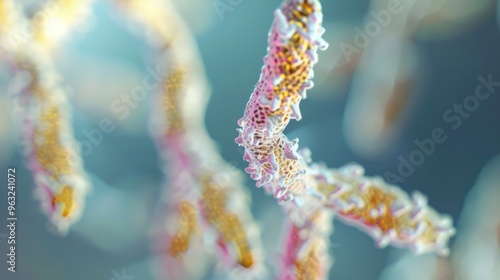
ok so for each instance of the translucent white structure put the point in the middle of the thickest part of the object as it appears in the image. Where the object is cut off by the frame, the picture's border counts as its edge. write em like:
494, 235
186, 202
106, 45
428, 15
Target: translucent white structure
52, 152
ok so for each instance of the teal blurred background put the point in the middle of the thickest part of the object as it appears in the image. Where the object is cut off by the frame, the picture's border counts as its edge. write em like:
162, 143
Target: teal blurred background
107, 59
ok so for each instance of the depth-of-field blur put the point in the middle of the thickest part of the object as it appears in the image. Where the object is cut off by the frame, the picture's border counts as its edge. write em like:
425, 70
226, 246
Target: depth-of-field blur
235, 139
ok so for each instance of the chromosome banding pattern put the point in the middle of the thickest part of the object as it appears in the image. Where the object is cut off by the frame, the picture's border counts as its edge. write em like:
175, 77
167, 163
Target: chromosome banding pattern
385, 212
170, 99
293, 42
52, 152
188, 225
305, 254
215, 205
213, 201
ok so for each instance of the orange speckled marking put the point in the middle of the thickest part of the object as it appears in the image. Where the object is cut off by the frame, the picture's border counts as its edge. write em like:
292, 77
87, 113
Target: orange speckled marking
65, 197
49, 152
373, 197
214, 200
170, 101
308, 267
188, 225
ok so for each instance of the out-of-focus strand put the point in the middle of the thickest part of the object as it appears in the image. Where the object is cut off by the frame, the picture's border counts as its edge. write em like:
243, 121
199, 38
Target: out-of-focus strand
206, 195
52, 152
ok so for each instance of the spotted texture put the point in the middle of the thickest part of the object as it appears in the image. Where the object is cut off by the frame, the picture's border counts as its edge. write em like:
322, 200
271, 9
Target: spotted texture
214, 200
170, 101
308, 267
188, 226
56, 159
276, 164
293, 42
274, 161
194, 164
51, 149
306, 256
384, 211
